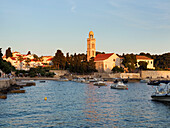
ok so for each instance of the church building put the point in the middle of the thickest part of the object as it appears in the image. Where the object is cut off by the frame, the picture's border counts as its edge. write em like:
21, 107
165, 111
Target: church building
91, 46
104, 62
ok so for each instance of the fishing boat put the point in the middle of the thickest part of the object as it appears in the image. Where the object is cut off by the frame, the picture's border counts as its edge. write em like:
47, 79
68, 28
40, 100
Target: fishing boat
99, 83
119, 85
162, 93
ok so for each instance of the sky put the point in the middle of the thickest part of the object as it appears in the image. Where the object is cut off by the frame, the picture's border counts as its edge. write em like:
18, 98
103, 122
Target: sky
119, 26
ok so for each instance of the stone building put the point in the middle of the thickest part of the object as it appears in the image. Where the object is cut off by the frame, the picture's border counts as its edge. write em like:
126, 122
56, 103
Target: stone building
106, 62
146, 59
91, 46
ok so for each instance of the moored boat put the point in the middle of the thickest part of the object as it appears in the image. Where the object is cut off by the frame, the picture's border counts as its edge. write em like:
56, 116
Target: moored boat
99, 83
156, 83
119, 85
162, 93
42, 81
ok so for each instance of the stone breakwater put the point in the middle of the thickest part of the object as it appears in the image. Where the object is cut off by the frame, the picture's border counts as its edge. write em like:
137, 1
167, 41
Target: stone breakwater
12, 86
6, 83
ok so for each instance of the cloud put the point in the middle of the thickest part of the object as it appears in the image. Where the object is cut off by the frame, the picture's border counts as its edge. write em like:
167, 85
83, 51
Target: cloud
147, 14
73, 6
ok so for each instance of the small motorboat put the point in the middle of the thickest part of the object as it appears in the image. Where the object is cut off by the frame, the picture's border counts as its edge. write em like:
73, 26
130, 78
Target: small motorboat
99, 83
162, 93
42, 81
63, 79
119, 85
155, 82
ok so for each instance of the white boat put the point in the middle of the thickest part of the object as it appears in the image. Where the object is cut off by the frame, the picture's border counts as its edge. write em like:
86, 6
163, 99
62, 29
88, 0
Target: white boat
162, 93
81, 80
63, 79
93, 80
99, 83
119, 85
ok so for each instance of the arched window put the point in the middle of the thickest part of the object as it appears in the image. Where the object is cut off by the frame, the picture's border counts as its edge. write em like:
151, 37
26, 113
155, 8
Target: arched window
92, 53
92, 45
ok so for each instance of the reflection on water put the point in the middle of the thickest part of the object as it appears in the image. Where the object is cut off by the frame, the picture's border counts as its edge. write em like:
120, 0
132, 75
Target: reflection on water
71, 104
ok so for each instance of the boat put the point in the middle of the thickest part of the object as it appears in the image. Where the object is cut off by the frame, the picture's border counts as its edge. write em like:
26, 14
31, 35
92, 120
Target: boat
81, 80
125, 81
119, 85
99, 83
42, 81
63, 79
93, 80
155, 82
162, 93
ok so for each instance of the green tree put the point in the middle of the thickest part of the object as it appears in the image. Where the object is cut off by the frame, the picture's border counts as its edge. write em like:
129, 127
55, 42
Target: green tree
1, 54
142, 65
35, 58
28, 60
29, 53
40, 59
129, 62
116, 69
8, 53
162, 61
6, 67
59, 60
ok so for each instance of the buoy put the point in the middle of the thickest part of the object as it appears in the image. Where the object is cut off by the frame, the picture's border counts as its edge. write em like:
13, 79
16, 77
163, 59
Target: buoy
45, 98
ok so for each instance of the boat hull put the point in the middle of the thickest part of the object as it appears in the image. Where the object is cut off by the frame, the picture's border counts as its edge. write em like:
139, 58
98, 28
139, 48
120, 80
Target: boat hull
165, 97
121, 88
99, 84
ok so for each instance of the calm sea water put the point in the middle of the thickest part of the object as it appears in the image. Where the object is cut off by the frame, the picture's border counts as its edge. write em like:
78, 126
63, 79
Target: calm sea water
71, 105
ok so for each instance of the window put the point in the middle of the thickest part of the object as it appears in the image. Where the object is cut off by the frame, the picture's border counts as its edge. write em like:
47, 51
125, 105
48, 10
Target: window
151, 62
92, 53
92, 45
114, 60
91, 36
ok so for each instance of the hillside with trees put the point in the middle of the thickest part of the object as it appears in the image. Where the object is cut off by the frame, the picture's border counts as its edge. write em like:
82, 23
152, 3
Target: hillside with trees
161, 62
74, 63
5, 66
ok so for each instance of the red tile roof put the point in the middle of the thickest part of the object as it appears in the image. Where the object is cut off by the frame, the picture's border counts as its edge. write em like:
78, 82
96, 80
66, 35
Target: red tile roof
15, 52
100, 57
47, 56
143, 58
13, 58
49, 59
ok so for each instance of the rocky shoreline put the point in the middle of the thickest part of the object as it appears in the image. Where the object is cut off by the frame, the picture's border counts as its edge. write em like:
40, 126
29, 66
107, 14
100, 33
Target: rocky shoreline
8, 86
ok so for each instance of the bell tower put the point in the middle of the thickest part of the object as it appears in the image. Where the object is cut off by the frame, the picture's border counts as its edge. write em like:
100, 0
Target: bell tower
91, 46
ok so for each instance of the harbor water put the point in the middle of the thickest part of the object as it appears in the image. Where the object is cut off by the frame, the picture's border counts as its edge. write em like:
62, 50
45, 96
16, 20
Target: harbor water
73, 105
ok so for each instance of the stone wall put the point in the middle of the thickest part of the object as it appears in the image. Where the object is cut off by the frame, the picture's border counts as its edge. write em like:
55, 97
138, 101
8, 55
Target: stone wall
155, 74
118, 75
130, 75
